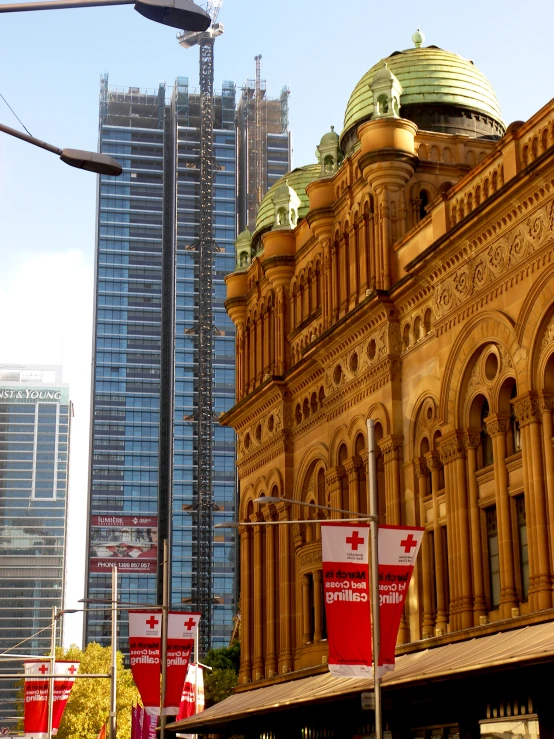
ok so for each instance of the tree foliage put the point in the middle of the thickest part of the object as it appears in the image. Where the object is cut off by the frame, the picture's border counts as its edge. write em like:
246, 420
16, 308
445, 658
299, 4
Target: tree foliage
88, 707
219, 682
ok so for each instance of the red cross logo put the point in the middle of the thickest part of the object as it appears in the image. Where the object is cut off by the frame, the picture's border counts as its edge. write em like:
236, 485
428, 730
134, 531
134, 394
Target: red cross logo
152, 622
408, 544
43, 669
72, 669
354, 540
190, 624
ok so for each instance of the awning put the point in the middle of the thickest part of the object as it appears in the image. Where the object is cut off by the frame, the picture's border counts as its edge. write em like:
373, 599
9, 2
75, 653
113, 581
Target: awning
529, 644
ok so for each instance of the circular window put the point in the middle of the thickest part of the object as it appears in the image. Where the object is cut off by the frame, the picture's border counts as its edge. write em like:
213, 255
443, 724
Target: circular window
354, 362
271, 423
337, 374
259, 432
491, 366
371, 349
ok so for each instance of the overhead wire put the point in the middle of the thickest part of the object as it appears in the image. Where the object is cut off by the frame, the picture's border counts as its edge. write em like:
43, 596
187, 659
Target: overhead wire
15, 114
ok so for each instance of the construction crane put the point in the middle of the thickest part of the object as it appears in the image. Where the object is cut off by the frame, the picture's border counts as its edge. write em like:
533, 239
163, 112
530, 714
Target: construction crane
204, 417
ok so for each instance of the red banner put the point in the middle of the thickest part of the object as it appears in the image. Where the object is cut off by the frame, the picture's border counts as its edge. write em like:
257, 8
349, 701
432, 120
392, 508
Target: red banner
181, 632
145, 633
189, 704
398, 549
346, 587
36, 695
145, 640
346, 591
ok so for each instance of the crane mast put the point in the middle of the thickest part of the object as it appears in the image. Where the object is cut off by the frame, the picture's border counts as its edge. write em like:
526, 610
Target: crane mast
204, 416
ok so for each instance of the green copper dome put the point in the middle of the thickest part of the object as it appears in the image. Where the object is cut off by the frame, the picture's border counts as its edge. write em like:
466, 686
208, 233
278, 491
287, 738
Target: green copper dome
298, 179
441, 92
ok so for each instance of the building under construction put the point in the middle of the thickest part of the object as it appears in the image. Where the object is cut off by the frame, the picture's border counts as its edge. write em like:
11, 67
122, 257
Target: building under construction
263, 139
149, 365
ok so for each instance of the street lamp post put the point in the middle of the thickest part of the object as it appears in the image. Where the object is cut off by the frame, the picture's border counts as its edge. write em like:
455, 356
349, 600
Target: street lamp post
88, 160
181, 14
113, 670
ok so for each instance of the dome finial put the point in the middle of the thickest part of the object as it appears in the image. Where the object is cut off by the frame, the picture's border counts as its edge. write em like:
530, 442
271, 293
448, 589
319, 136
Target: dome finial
418, 38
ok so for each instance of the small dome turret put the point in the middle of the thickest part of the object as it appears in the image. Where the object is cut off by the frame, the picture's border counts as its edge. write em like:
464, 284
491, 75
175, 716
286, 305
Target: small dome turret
243, 249
386, 90
285, 206
329, 154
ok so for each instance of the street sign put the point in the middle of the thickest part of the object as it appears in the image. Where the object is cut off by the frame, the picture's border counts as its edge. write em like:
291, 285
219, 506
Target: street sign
368, 701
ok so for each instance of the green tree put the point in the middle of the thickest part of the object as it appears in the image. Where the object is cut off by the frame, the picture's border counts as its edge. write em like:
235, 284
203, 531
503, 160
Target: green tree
88, 706
220, 681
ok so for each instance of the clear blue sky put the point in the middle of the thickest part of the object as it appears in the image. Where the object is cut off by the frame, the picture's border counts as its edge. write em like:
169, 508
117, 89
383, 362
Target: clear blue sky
51, 65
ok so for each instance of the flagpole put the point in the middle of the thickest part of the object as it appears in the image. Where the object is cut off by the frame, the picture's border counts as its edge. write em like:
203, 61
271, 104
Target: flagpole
196, 656
373, 508
165, 606
113, 669
51, 681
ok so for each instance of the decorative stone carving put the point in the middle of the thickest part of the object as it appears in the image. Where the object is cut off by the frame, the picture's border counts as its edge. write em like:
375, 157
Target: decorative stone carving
451, 447
472, 440
503, 254
548, 337
433, 460
527, 410
496, 426
420, 467
308, 559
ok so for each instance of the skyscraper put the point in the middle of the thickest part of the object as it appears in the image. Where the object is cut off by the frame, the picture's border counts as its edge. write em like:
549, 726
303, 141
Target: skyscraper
35, 416
145, 451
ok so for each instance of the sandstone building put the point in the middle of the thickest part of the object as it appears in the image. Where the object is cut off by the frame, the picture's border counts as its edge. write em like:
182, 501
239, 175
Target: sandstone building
407, 277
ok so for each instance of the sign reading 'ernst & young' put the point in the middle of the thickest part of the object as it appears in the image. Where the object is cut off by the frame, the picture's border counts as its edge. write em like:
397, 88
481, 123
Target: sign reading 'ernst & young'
48, 394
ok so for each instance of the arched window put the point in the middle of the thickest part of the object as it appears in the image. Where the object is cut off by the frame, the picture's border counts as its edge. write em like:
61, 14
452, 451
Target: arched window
424, 200
486, 441
515, 433
359, 446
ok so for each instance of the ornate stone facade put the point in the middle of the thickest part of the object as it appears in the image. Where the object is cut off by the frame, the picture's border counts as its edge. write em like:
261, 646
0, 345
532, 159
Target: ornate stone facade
432, 314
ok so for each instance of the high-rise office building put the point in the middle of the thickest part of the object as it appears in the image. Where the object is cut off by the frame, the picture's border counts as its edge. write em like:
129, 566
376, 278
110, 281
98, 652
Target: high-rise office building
35, 414
145, 449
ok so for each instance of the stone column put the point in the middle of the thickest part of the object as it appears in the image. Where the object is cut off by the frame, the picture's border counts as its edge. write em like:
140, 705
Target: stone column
363, 256
318, 602
327, 283
270, 591
428, 623
528, 412
434, 464
448, 450
281, 359
386, 239
265, 350
472, 441
239, 362
352, 467
306, 610
354, 258
285, 587
457, 453
245, 672
372, 251
333, 483
391, 448
334, 282
497, 428
259, 346
258, 597
546, 405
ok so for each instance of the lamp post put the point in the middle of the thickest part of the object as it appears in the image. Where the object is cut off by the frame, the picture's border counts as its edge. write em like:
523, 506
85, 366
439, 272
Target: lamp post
88, 160
181, 14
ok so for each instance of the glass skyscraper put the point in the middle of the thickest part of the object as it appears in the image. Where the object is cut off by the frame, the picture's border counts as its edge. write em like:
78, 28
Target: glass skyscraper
35, 414
144, 441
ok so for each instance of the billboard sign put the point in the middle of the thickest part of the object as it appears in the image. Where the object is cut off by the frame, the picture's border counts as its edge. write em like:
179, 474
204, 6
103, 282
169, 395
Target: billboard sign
130, 542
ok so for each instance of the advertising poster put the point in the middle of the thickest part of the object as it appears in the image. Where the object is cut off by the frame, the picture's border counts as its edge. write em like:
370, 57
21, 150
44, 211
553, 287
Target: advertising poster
130, 542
